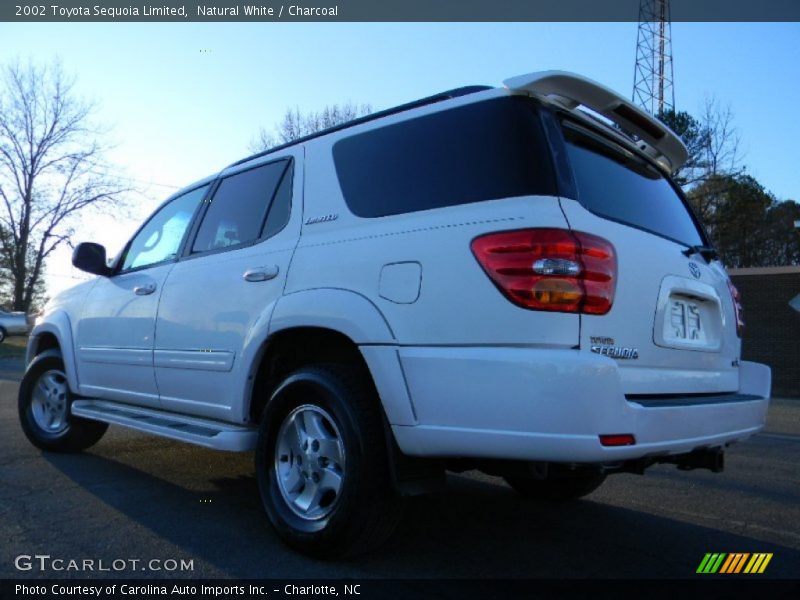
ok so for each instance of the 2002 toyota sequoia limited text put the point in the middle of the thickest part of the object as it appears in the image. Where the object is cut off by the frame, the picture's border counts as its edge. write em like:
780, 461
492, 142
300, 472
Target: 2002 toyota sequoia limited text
487, 278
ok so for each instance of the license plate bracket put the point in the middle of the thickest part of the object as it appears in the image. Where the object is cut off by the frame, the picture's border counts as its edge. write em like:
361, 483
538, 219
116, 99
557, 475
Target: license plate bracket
688, 317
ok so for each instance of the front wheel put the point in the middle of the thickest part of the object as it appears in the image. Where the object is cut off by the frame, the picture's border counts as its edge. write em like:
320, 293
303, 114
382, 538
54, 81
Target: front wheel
44, 410
322, 464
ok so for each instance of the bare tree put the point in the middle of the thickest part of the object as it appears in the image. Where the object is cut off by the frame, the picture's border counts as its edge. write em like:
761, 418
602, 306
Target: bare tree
715, 160
720, 163
296, 124
712, 141
5, 272
51, 169
720, 154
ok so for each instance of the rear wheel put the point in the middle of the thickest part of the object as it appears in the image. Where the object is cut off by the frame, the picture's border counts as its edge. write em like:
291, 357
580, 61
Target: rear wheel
557, 487
322, 464
44, 410
2, 335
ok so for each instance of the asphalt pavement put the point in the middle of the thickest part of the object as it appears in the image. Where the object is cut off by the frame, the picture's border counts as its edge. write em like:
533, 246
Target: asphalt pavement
134, 497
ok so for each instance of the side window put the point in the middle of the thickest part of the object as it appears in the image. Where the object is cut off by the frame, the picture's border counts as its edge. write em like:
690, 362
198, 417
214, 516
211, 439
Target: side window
238, 210
160, 239
483, 151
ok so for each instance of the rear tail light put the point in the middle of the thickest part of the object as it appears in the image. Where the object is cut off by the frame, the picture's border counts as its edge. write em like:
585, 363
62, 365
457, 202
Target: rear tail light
618, 439
550, 269
737, 308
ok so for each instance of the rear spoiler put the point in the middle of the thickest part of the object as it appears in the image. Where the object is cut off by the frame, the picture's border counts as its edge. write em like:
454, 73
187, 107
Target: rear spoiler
569, 91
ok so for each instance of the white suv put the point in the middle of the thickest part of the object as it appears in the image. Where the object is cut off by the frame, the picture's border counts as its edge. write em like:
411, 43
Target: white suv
503, 279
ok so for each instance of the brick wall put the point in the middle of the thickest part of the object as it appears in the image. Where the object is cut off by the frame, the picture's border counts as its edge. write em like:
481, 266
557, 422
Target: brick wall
772, 331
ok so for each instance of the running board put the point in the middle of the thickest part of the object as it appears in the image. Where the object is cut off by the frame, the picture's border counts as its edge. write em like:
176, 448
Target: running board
202, 432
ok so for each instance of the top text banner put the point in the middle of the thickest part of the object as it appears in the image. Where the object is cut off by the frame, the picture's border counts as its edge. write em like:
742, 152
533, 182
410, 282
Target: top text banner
390, 10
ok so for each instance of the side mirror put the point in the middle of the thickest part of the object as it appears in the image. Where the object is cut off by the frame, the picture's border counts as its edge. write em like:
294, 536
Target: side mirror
91, 257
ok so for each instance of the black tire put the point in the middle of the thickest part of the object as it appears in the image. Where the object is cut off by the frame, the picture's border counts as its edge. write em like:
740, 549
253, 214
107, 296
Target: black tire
77, 433
558, 487
2, 335
366, 509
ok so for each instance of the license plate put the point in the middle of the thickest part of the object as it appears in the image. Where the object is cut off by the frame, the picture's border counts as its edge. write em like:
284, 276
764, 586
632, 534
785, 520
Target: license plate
685, 322
690, 323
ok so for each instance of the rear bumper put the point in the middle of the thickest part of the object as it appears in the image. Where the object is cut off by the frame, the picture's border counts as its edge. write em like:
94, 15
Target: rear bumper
552, 405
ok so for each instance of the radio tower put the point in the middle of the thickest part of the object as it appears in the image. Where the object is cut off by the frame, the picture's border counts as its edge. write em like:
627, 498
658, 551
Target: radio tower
652, 76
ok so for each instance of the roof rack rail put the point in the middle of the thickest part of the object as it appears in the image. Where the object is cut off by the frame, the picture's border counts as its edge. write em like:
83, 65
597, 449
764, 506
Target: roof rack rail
454, 93
569, 91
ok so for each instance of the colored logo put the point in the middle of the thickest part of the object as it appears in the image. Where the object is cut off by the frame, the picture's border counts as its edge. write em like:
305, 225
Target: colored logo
734, 562
695, 270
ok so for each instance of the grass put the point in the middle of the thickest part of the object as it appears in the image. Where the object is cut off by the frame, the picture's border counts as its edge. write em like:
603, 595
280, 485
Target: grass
13, 347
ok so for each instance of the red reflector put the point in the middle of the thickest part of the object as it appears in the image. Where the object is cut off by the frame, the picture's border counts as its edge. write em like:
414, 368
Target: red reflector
618, 439
550, 269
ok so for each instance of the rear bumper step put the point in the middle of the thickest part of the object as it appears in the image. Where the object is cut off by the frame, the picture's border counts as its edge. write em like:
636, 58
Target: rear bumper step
656, 400
201, 432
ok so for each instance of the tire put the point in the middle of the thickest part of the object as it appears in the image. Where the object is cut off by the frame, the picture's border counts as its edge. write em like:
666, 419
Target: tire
557, 488
332, 499
44, 410
2, 335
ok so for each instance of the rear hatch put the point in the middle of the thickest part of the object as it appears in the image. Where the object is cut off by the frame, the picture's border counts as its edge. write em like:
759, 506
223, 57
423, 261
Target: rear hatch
673, 326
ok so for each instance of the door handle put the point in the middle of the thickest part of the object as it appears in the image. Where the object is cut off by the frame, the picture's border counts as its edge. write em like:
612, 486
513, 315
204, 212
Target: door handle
261, 273
144, 290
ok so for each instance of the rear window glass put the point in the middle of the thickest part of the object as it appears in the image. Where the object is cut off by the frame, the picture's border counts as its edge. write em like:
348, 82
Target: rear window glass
624, 188
483, 151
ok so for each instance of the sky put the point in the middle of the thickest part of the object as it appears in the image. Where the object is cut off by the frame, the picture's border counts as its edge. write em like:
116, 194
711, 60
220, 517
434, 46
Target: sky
183, 100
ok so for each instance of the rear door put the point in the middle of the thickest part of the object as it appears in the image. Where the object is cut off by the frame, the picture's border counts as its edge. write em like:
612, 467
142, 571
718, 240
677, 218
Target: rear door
225, 285
672, 328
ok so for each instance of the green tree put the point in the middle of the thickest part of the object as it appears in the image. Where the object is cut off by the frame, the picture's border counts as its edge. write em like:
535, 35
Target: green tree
739, 222
781, 239
695, 137
747, 224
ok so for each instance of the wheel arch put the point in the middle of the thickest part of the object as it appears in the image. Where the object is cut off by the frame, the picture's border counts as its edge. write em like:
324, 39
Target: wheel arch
54, 336
290, 348
330, 325
343, 311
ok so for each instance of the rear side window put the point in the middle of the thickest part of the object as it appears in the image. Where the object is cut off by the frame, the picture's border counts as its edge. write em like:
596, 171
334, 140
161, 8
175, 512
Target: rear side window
237, 213
622, 187
281, 206
483, 151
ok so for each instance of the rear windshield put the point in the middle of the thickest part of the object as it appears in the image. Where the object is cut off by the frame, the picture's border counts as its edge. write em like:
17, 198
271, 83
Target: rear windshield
620, 186
482, 151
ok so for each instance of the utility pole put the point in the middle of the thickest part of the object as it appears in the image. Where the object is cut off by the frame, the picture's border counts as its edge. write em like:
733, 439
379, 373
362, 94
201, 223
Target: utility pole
652, 76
